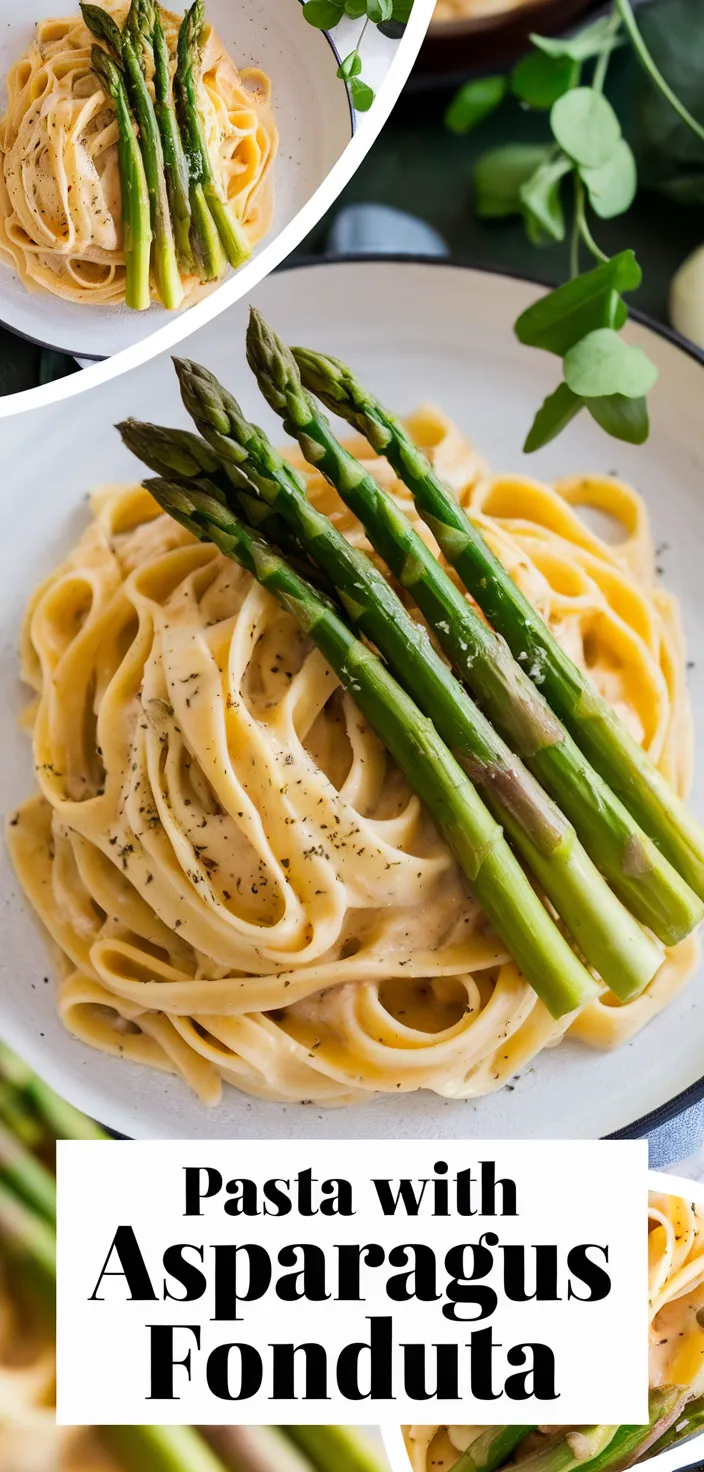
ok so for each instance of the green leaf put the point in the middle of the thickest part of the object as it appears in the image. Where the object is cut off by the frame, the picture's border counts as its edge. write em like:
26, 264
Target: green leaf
362, 95
402, 11
558, 410
499, 176
355, 9
588, 43
539, 80
602, 363
585, 126
350, 67
323, 14
592, 300
612, 187
540, 198
625, 419
474, 102
380, 10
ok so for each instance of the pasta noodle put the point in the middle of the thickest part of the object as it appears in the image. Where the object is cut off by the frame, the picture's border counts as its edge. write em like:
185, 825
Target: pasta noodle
60, 200
676, 1339
238, 884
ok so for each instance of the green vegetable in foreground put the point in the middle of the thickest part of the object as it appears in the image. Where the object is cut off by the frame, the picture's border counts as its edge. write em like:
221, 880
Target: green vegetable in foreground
136, 223
476, 840
175, 162
658, 890
602, 929
211, 213
135, 37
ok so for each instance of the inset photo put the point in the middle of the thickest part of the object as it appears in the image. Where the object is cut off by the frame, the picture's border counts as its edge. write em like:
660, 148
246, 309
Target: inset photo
671, 1440
149, 156
348, 750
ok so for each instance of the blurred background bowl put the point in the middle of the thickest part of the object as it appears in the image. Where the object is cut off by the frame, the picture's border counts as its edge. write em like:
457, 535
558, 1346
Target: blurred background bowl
472, 42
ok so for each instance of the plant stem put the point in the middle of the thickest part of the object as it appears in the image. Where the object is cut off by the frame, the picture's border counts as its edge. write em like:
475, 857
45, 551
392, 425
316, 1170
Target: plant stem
25, 1175
136, 225
646, 61
492, 1449
585, 232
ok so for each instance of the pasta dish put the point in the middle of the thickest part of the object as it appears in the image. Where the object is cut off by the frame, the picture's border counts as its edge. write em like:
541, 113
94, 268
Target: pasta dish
70, 166
676, 1359
238, 882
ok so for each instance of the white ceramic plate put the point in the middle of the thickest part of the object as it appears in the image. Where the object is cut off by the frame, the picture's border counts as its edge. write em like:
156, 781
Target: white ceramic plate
312, 112
413, 331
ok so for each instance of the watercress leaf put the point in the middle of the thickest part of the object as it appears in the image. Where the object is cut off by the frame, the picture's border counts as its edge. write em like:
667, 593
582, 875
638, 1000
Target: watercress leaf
588, 43
474, 102
362, 94
563, 316
355, 9
380, 10
499, 175
625, 419
585, 126
612, 187
552, 417
323, 14
350, 67
602, 363
540, 198
539, 80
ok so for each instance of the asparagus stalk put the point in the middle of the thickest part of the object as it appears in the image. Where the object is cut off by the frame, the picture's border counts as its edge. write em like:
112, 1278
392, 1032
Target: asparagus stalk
475, 838
175, 163
256, 1449
492, 1449
24, 1174
32, 1094
606, 934
648, 885
136, 227
605, 1448
685, 1424
30, 1243
135, 37
344, 1448
592, 722
208, 199
161, 1449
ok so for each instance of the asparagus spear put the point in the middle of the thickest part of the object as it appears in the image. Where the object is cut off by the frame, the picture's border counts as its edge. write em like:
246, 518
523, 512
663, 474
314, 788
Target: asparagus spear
24, 1174
604, 931
605, 1448
592, 722
206, 199
492, 1449
648, 885
32, 1094
343, 1447
687, 1423
161, 1449
136, 228
175, 164
137, 35
476, 840
103, 25
257, 1449
30, 1243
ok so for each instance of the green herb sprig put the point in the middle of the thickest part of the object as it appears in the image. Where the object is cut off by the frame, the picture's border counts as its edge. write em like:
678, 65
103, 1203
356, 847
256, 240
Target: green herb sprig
389, 15
586, 169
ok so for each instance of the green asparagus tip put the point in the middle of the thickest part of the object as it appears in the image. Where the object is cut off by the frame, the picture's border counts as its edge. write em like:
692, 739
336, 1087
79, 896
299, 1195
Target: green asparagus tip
106, 71
205, 399
102, 25
191, 29
168, 451
272, 363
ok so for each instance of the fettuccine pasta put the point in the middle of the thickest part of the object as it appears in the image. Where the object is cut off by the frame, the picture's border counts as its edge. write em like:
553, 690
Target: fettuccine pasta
238, 884
676, 1338
60, 198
